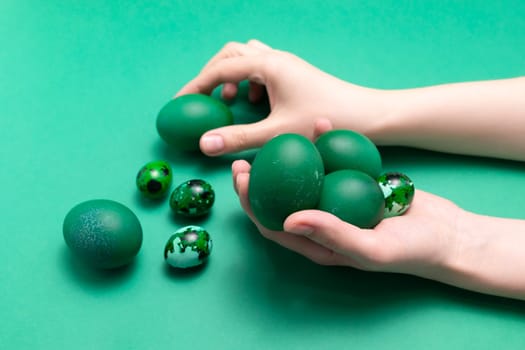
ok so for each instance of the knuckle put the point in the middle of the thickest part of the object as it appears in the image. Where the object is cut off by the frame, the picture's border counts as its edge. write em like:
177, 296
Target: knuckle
271, 65
231, 46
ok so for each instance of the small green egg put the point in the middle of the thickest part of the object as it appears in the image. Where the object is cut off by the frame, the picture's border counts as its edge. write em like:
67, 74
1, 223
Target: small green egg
286, 176
354, 197
103, 233
189, 246
154, 179
183, 120
192, 198
347, 149
398, 190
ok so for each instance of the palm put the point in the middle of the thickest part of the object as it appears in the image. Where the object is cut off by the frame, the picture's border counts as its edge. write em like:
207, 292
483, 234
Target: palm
405, 243
419, 236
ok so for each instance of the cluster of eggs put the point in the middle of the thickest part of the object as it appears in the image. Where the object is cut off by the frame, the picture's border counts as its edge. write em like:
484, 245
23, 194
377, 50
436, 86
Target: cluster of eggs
191, 245
106, 234
339, 173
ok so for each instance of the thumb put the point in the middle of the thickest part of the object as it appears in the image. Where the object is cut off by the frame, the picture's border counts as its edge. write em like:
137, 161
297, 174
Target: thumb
331, 232
235, 138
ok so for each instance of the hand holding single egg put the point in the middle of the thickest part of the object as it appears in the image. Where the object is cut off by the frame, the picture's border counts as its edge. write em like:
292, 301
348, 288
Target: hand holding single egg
182, 121
298, 94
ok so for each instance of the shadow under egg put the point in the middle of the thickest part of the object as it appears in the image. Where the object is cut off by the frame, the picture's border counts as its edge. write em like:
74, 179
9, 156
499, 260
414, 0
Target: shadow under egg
92, 277
184, 273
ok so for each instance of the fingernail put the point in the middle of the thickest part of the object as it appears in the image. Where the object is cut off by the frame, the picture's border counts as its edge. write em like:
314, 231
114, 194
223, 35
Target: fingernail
212, 143
301, 230
235, 162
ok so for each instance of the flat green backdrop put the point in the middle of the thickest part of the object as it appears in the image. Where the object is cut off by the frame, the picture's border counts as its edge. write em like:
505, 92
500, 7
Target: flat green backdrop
81, 83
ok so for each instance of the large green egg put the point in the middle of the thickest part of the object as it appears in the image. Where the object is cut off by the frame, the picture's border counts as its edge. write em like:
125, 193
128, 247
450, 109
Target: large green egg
183, 120
286, 176
103, 233
347, 149
354, 197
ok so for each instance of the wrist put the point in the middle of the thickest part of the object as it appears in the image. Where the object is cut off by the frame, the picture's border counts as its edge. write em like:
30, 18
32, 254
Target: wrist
364, 110
467, 263
388, 125
459, 258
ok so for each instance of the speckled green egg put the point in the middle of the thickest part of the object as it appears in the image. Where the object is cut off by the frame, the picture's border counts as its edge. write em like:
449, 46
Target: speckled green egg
183, 120
398, 190
347, 149
154, 179
189, 246
286, 176
192, 198
103, 233
354, 197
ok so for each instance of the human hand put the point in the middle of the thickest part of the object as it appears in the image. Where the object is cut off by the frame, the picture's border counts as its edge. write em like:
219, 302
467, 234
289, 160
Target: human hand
421, 242
299, 94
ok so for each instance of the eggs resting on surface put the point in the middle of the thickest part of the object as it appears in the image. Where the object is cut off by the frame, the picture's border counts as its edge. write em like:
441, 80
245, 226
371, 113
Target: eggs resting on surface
192, 198
103, 233
189, 246
154, 179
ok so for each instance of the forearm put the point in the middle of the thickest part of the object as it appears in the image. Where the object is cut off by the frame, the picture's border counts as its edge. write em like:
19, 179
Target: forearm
488, 256
484, 118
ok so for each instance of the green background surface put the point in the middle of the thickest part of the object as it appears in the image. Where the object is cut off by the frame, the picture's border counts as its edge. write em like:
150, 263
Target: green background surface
81, 83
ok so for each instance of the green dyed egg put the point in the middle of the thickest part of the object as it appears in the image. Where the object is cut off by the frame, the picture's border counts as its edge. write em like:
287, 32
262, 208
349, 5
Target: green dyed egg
244, 111
189, 246
183, 120
103, 233
398, 190
354, 197
286, 176
154, 179
192, 198
346, 149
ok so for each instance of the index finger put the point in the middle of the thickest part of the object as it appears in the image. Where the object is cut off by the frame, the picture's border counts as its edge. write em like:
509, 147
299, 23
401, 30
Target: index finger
232, 49
228, 70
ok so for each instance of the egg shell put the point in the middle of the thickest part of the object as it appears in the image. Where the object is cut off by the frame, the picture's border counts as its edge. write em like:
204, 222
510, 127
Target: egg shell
188, 247
286, 176
103, 233
183, 120
192, 198
347, 149
154, 179
354, 197
398, 190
